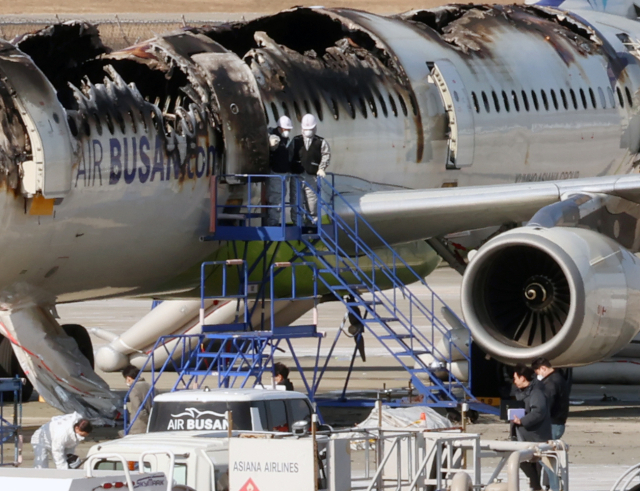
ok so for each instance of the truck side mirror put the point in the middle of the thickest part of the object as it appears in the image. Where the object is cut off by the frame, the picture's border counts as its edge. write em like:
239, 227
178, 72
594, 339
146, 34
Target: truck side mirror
301, 428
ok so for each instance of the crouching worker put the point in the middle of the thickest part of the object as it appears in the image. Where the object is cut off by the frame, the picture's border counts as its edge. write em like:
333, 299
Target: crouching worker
58, 439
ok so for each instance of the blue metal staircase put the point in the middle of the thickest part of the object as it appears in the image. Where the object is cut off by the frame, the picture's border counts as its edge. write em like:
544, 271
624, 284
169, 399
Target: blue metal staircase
352, 270
343, 265
337, 246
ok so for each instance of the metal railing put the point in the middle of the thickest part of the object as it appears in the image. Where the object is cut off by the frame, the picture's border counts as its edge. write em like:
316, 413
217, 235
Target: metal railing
10, 420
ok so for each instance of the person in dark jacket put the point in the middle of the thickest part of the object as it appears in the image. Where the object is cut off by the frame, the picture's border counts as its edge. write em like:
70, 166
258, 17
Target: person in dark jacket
282, 375
535, 425
311, 157
556, 388
280, 153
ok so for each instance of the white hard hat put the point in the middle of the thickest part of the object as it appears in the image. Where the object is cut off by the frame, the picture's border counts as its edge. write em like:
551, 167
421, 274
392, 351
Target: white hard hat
285, 123
309, 122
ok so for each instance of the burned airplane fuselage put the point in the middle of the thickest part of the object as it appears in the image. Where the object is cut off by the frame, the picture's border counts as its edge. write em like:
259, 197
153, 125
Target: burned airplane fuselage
107, 155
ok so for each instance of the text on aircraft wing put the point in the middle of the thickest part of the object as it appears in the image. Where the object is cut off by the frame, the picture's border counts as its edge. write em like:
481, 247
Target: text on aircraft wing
404, 216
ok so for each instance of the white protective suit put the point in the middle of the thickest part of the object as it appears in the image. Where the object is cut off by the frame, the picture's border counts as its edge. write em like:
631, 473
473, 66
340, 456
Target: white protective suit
56, 439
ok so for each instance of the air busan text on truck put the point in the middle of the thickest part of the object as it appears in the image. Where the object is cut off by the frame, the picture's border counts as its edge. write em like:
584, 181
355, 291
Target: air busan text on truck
440, 121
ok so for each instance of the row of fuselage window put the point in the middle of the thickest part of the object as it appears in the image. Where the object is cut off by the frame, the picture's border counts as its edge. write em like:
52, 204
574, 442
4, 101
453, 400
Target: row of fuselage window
532, 100
491, 101
364, 105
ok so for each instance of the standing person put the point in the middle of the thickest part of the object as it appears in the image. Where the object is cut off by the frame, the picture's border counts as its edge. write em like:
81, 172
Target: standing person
312, 154
137, 400
58, 439
282, 375
535, 425
556, 388
279, 165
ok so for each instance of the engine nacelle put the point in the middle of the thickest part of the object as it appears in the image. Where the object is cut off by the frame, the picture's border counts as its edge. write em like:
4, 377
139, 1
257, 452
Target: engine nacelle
568, 294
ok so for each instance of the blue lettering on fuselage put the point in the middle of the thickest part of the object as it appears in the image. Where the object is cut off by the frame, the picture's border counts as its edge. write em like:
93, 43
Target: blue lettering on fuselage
136, 160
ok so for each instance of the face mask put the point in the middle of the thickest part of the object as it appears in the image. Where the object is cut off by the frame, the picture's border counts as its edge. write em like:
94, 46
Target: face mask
285, 133
79, 437
540, 377
308, 133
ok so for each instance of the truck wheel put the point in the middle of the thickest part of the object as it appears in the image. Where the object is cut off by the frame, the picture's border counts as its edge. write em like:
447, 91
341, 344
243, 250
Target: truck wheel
82, 338
10, 367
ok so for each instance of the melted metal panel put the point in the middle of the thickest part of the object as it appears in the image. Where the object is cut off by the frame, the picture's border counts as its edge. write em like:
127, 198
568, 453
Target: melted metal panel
52, 154
240, 108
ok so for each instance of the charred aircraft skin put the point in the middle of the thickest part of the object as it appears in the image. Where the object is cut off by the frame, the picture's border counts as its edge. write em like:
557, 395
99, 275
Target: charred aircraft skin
153, 120
463, 95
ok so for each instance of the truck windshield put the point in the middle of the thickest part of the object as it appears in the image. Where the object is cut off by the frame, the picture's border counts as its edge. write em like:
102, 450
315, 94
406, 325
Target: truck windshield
188, 416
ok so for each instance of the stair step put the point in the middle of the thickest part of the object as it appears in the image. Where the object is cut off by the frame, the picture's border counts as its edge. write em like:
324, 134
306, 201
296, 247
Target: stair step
413, 353
226, 356
396, 336
383, 320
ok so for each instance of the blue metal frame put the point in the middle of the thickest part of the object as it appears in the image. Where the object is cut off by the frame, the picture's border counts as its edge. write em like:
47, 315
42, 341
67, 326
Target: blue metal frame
237, 352
10, 430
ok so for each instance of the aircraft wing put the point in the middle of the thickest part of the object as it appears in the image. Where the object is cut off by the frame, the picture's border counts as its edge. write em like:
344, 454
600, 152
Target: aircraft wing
409, 215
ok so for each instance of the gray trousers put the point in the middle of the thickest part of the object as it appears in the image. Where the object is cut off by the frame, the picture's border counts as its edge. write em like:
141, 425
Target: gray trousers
309, 196
275, 197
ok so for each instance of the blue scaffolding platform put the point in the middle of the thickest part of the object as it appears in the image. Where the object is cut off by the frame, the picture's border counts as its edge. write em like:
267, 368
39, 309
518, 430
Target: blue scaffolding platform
341, 265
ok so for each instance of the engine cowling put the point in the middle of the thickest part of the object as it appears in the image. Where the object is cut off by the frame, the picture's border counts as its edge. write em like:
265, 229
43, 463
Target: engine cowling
571, 295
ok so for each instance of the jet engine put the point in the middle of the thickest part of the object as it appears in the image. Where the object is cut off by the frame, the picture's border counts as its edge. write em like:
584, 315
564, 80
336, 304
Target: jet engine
568, 294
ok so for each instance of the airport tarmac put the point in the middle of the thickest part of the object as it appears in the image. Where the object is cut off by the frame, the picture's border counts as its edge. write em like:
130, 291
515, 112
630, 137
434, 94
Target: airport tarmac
603, 436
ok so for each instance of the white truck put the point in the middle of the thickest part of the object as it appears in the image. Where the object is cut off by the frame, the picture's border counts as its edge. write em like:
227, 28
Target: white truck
90, 479
188, 430
251, 409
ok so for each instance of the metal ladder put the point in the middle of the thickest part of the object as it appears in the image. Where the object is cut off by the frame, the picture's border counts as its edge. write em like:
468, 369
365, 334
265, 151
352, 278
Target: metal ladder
337, 246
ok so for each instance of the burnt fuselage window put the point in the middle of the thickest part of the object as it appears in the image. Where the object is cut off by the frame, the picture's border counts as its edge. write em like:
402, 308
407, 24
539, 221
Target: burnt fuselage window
296, 109
383, 106
525, 101
563, 96
274, 110
629, 98
496, 103
363, 106
403, 105
352, 109
554, 99
620, 97
373, 107
334, 107
485, 101
285, 108
574, 99
505, 101
514, 98
318, 107
534, 99
394, 108
476, 104
583, 98
307, 108
593, 98
545, 101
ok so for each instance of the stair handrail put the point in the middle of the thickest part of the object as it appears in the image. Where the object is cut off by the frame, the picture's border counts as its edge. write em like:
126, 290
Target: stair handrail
341, 255
329, 210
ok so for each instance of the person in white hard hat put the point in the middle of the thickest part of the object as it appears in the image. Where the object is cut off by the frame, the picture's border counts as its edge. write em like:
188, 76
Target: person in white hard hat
311, 153
58, 440
279, 164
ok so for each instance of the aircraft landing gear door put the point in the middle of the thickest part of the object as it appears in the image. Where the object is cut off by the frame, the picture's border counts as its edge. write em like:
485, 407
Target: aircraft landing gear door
460, 115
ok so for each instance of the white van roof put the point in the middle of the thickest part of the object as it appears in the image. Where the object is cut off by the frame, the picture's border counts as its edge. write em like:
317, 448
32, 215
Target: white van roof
228, 395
